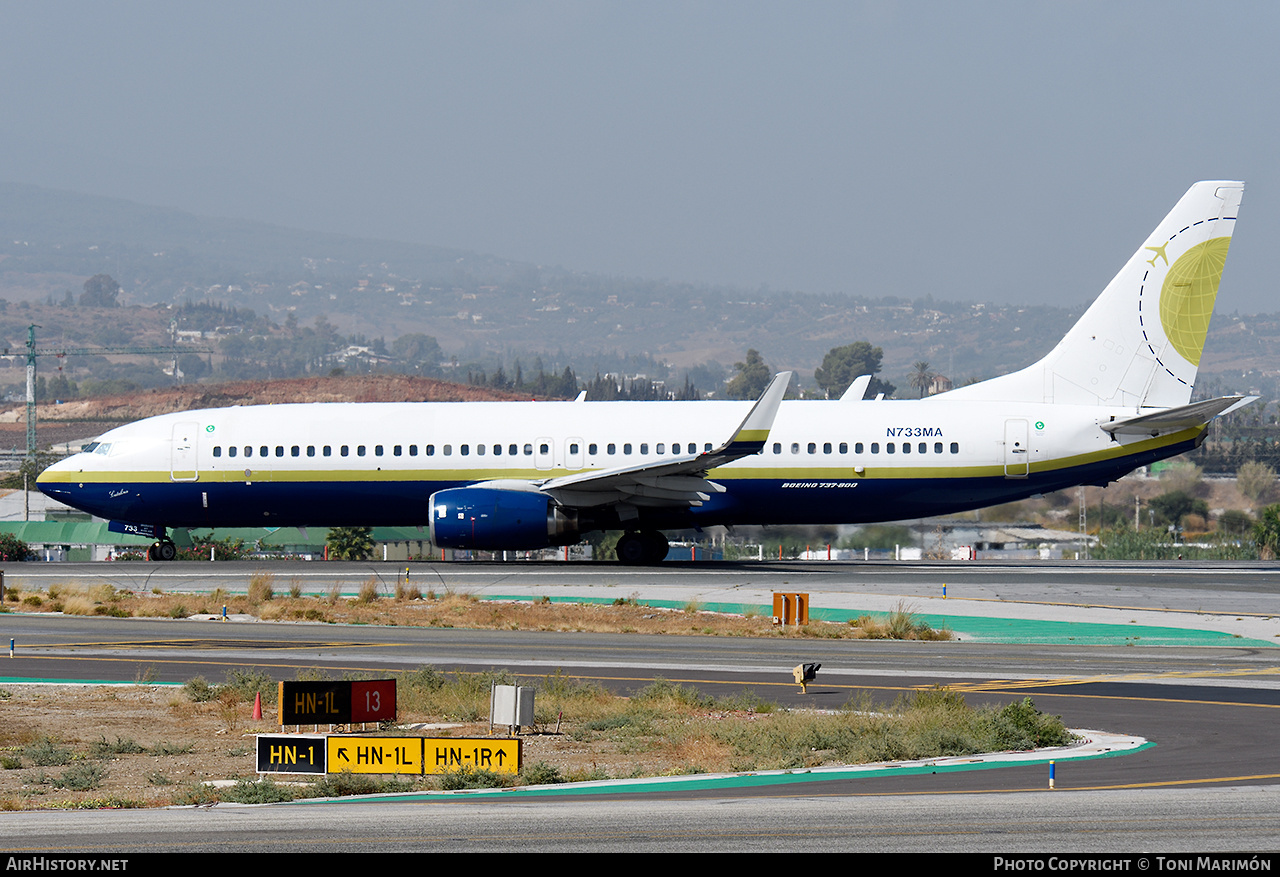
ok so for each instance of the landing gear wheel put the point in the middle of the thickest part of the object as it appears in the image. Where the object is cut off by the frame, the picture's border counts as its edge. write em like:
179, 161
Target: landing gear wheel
631, 549
655, 547
165, 550
648, 547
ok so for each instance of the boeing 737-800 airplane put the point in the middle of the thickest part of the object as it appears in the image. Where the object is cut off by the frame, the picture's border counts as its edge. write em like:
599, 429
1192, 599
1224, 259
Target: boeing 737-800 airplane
1115, 394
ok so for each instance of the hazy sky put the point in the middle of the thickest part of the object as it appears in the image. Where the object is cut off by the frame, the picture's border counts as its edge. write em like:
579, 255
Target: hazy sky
1014, 151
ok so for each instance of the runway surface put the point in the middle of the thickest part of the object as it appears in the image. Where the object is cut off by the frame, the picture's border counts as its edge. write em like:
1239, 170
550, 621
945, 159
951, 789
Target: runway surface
1206, 695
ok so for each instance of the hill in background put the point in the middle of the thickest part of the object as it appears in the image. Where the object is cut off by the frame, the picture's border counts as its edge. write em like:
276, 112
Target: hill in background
486, 313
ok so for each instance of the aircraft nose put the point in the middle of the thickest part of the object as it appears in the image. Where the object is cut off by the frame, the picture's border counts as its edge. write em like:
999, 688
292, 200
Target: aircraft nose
53, 480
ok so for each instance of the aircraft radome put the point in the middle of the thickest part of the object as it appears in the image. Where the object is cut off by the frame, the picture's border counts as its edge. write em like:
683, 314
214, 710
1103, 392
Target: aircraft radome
1113, 395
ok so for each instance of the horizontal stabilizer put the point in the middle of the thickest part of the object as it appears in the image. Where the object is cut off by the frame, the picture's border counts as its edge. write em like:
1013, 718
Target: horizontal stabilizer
1175, 419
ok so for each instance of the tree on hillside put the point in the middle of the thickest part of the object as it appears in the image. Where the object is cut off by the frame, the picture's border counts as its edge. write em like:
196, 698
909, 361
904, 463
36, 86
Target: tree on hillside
419, 351
100, 291
752, 377
1172, 507
921, 376
1255, 480
842, 364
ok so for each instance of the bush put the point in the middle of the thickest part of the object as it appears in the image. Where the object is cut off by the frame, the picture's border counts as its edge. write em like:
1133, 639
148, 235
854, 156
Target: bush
46, 752
1021, 726
13, 548
81, 777
471, 778
198, 690
541, 774
257, 792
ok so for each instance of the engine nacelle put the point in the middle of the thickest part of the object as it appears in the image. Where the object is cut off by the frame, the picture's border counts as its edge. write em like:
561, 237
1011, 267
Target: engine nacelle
497, 518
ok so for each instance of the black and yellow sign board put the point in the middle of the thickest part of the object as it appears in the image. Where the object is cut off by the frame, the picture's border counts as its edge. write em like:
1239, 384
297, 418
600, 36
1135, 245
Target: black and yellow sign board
445, 754
337, 703
293, 753
375, 754
336, 753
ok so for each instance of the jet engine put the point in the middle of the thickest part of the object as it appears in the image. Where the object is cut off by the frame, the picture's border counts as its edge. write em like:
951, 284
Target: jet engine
498, 518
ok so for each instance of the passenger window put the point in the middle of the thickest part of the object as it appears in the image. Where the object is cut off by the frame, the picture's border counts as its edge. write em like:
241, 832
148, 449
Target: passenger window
359, 450
573, 447
464, 450
231, 451
513, 449
888, 447
344, 450
626, 448
327, 451
611, 448
937, 447
295, 451
813, 447
544, 448
955, 447
377, 450
479, 450
795, 447
217, 451
528, 450
826, 448
497, 450
844, 447
906, 447
279, 450
875, 447
661, 448
413, 450
264, 451
311, 450
592, 449
857, 448
430, 450
397, 451
248, 450
777, 447
644, 447
448, 450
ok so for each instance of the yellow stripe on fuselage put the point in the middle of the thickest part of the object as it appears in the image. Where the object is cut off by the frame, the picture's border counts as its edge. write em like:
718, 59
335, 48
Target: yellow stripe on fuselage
727, 473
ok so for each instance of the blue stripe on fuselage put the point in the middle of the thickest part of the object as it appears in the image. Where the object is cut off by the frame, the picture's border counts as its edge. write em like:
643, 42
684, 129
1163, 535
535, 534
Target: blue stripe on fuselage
746, 501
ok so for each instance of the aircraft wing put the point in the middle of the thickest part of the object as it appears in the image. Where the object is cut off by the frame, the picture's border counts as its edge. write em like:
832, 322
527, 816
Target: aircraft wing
679, 481
1175, 419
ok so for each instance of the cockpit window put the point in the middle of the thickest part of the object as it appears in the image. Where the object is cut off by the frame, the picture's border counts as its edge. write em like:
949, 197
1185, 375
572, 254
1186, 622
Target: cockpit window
103, 448
88, 449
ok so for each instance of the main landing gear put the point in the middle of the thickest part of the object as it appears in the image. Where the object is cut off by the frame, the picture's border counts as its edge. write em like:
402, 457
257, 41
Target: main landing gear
642, 548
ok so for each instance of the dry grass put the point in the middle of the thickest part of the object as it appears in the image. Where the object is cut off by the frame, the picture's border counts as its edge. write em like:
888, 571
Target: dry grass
374, 605
145, 745
261, 588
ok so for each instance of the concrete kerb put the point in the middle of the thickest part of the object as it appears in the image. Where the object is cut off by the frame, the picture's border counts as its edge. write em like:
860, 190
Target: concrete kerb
970, 620
1091, 744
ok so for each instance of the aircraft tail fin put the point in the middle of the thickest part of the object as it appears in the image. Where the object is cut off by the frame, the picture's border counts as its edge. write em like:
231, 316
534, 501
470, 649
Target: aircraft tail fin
1139, 344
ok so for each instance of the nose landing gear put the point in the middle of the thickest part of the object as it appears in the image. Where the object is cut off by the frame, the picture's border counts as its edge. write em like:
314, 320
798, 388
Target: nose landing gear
164, 549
